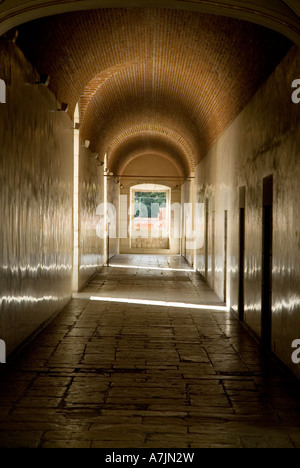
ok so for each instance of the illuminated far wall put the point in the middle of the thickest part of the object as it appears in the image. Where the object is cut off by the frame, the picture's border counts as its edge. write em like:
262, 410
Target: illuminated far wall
157, 167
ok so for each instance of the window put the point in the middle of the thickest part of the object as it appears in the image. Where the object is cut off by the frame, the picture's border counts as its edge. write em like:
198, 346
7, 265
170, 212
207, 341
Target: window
150, 216
150, 205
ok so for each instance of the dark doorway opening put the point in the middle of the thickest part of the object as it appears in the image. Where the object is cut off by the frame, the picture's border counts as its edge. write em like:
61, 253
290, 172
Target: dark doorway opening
241, 305
206, 237
267, 260
225, 253
213, 266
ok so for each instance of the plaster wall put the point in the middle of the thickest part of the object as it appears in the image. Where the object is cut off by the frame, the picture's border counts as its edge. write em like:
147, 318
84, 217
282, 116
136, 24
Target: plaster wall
113, 198
91, 195
263, 140
36, 195
188, 221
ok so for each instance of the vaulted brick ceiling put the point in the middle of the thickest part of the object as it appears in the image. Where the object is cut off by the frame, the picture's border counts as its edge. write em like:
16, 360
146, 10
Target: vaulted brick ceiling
152, 80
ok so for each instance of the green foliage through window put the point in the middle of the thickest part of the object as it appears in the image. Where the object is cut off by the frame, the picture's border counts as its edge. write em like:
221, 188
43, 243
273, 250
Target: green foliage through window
148, 204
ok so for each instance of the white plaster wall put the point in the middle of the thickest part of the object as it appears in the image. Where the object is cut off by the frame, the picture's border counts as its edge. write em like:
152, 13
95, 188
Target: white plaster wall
36, 196
188, 221
113, 197
91, 195
264, 139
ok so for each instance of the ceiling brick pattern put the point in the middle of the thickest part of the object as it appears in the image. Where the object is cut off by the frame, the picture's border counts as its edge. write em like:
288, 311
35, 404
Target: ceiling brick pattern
152, 78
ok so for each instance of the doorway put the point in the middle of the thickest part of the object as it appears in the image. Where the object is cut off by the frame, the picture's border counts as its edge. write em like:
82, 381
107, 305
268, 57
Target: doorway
242, 205
150, 217
213, 266
267, 260
206, 236
225, 253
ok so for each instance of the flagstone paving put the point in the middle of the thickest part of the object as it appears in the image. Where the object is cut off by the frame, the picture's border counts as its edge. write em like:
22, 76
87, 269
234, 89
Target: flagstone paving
105, 374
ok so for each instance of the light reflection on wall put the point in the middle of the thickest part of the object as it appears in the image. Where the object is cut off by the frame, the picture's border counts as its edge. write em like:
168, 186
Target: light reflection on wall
90, 195
8, 300
256, 144
35, 270
35, 204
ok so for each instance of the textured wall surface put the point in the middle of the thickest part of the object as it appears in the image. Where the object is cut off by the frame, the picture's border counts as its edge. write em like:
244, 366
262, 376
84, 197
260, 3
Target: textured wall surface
263, 140
188, 224
36, 170
91, 194
113, 199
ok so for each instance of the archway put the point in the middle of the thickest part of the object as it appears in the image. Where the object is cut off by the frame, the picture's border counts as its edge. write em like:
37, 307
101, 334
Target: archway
150, 217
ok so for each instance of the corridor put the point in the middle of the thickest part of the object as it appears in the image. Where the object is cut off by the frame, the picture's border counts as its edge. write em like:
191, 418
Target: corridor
109, 374
150, 212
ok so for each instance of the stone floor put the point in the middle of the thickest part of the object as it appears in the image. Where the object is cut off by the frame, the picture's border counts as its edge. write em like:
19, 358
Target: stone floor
131, 375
